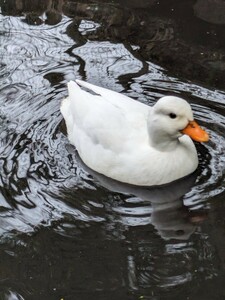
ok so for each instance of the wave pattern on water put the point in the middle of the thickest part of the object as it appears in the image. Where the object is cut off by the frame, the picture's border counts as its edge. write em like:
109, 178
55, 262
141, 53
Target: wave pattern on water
32, 147
42, 183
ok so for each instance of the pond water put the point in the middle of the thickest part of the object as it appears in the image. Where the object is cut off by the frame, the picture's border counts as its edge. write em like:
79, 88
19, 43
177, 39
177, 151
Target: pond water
68, 233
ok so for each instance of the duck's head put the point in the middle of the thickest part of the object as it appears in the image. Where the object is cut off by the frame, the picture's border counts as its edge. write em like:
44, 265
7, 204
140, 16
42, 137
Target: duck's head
171, 117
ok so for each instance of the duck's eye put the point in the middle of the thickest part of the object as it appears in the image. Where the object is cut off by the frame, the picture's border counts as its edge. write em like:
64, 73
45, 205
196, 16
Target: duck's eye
172, 116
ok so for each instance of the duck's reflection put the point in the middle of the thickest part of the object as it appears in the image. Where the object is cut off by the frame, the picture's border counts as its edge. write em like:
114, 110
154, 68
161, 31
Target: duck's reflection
170, 217
172, 220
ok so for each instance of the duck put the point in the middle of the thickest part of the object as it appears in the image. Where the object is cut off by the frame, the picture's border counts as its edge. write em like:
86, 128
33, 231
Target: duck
129, 141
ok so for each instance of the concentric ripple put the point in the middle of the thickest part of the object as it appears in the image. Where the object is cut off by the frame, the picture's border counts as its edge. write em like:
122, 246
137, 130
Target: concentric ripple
34, 155
44, 185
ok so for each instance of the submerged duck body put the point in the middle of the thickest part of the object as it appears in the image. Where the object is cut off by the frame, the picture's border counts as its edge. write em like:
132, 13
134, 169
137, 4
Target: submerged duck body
129, 141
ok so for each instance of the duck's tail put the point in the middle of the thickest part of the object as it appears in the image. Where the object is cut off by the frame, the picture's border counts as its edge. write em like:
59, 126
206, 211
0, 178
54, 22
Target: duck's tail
94, 88
77, 104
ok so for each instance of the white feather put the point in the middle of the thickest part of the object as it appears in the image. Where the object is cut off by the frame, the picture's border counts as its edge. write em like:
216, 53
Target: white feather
128, 140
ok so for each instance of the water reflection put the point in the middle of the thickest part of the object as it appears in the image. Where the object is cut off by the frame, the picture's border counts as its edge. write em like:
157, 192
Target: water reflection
155, 26
62, 233
161, 206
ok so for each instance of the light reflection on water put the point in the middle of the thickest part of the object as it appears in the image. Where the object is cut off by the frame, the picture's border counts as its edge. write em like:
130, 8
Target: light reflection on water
51, 207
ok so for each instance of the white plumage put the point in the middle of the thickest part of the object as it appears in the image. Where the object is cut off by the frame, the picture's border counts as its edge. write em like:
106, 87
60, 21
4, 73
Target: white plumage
127, 140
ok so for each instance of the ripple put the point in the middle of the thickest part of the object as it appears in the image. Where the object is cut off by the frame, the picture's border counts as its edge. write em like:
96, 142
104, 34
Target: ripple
107, 59
34, 157
209, 111
87, 26
45, 188
29, 52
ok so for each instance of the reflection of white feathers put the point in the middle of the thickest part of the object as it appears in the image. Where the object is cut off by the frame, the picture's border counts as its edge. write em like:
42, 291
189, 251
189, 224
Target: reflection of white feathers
163, 207
127, 140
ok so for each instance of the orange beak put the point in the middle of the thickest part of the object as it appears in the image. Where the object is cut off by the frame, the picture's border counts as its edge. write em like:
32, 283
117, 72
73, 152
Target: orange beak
195, 132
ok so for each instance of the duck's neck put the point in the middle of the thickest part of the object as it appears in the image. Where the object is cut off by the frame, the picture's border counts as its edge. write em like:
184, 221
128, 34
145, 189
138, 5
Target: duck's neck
163, 143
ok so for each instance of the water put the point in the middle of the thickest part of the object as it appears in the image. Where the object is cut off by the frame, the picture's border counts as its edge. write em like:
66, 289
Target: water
66, 232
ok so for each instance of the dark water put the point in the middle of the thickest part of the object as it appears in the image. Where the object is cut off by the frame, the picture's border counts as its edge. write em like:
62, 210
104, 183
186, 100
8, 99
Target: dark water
66, 233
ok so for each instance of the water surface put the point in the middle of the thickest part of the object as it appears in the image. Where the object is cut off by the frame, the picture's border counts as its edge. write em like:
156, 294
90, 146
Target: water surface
67, 233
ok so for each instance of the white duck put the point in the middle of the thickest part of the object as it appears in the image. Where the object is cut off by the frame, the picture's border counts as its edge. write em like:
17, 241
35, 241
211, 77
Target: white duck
129, 141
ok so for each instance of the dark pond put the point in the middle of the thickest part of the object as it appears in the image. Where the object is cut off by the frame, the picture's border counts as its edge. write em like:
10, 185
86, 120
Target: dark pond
66, 233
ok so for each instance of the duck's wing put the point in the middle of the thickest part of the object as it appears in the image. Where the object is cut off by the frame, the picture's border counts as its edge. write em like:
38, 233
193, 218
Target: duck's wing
124, 102
108, 119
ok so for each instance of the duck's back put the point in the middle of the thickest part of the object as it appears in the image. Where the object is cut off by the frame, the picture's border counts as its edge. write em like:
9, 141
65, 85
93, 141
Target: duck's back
103, 125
